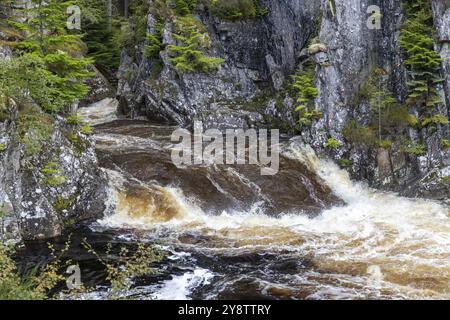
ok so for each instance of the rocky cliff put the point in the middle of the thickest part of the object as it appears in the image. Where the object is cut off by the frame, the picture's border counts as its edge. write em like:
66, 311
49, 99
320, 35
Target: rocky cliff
49, 178
252, 86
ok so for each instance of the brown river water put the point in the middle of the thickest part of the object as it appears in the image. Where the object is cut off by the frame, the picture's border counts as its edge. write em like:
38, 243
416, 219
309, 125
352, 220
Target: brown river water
230, 233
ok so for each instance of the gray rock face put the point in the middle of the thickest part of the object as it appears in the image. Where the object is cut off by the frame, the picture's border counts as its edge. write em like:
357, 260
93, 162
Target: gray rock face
100, 88
261, 54
353, 50
32, 208
38, 209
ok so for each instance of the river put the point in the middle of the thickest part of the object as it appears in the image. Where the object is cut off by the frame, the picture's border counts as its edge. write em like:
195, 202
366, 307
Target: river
230, 233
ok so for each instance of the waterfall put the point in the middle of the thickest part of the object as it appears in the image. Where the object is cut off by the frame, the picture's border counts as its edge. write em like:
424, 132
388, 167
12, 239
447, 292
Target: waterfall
372, 244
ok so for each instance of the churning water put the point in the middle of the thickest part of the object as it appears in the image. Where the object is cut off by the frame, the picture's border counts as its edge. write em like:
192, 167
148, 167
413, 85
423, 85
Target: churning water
308, 233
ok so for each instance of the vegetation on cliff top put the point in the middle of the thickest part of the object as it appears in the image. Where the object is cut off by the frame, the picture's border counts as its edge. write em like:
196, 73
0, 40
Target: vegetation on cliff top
236, 9
191, 35
53, 53
188, 55
423, 63
305, 93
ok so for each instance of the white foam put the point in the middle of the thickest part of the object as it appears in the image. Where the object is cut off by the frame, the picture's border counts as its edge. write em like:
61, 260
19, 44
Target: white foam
389, 241
180, 287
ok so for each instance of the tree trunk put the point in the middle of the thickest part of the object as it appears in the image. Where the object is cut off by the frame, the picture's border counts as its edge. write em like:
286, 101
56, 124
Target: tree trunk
125, 9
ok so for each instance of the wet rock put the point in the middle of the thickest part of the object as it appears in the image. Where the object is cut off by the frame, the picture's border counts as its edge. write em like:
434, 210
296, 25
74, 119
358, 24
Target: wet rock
258, 53
100, 88
31, 207
260, 56
42, 210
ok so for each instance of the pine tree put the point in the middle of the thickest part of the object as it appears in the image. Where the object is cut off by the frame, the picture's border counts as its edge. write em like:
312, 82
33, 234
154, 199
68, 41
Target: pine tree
306, 93
189, 56
47, 42
422, 62
99, 38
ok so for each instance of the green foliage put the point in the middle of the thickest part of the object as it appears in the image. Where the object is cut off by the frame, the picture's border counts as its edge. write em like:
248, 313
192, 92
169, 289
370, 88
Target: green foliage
188, 55
61, 204
345, 163
305, 93
3, 112
422, 62
50, 64
32, 286
133, 32
80, 144
185, 7
28, 76
435, 120
333, 144
41, 282
127, 265
3, 212
52, 173
237, 9
75, 119
413, 148
100, 40
445, 144
385, 144
3, 147
359, 135
155, 45
78, 121
34, 128
87, 130
389, 118
397, 118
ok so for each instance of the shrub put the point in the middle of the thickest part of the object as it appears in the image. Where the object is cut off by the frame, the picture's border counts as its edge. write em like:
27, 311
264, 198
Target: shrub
154, 46
397, 118
188, 55
126, 266
333, 143
52, 173
34, 128
359, 135
438, 119
422, 61
3, 147
385, 144
3, 113
31, 286
154, 41
80, 144
445, 144
413, 148
75, 119
3, 212
87, 130
185, 7
306, 92
345, 163
236, 9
